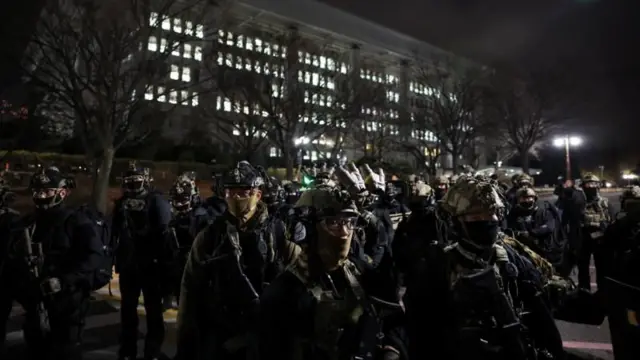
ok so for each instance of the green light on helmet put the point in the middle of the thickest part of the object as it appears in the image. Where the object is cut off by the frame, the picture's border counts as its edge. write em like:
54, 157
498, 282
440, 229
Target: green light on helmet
307, 181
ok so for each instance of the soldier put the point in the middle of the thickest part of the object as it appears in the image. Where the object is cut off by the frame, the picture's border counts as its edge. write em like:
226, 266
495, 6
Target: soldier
229, 265
479, 294
441, 185
327, 305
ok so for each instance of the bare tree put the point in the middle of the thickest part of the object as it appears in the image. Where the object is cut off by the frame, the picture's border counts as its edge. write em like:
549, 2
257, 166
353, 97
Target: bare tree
12, 125
448, 106
101, 64
525, 110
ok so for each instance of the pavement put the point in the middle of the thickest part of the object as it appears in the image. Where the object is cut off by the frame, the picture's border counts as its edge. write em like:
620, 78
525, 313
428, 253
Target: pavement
100, 340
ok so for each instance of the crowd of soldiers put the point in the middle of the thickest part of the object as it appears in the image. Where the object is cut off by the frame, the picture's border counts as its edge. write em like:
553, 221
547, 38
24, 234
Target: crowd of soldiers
354, 266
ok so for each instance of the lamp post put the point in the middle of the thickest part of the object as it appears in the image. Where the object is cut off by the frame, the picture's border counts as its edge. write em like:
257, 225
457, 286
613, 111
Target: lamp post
567, 142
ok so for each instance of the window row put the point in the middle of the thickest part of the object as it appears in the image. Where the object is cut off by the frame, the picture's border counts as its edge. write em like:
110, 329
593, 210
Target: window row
425, 135
373, 126
254, 133
251, 43
392, 114
305, 140
393, 96
161, 94
183, 74
226, 104
323, 119
373, 76
316, 79
322, 62
176, 25
318, 99
421, 89
248, 64
187, 51
312, 155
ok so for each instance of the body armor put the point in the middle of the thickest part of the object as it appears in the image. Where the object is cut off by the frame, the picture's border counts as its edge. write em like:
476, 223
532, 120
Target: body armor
596, 213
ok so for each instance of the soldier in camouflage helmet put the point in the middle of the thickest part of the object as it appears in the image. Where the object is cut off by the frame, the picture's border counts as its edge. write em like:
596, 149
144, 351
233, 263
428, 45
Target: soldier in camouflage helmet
473, 282
440, 186
519, 181
313, 310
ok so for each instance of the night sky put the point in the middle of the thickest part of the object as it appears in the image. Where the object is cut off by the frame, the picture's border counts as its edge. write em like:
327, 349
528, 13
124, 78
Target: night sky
594, 43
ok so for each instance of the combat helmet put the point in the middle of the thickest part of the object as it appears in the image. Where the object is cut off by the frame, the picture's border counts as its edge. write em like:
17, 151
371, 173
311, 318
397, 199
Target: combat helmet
327, 202
469, 196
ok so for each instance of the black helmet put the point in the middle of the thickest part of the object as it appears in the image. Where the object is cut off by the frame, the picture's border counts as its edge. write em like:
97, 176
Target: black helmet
135, 179
46, 185
242, 176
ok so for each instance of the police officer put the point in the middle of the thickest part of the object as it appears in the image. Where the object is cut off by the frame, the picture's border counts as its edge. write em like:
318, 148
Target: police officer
536, 225
144, 260
189, 218
597, 217
476, 296
8, 218
57, 278
326, 305
229, 264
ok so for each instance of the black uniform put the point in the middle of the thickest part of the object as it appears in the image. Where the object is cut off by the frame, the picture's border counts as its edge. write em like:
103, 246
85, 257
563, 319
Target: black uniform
144, 261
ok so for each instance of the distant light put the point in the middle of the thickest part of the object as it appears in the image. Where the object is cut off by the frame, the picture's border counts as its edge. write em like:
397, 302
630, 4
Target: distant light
575, 141
629, 176
562, 141
559, 142
608, 184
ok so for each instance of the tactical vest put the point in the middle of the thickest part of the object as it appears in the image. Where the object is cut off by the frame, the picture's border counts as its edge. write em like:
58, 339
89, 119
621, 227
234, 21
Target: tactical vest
136, 215
596, 213
333, 313
488, 320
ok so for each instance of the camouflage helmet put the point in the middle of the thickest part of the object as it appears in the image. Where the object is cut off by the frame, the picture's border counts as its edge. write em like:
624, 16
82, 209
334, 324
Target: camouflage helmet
526, 192
589, 177
469, 196
524, 178
327, 202
442, 180
423, 189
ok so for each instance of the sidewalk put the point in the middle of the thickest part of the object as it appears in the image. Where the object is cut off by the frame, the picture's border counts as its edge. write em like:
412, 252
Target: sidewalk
114, 298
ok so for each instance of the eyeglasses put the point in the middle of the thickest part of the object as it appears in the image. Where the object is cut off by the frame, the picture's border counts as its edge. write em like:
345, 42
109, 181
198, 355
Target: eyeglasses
341, 222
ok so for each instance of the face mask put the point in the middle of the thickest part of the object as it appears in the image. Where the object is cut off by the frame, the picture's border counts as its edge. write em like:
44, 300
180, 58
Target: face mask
333, 247
527, 205
482, 233
591, 192
242, 207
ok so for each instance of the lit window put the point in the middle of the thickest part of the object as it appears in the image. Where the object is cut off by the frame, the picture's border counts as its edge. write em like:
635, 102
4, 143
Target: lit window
276, 49
200, 31
273, 152
343, 68
307, 77
249, 44
230, 39
175, 72
187, 51
228, 60
283, 50
218, 103
153, 44
236, 132
163, 45
194, 100
227, 105
240, 41
257, 67
315, 79
258, 45
330, 84
166, 24
267, 48
238, 63
275, 90
161, 95
307, 58
220, 58
173, 97
176, 50
331, 65
188, 28
323, 62
184, 96
148, 94
247, 64
186, 74
177, 26
197, 53
316, 62
153, 19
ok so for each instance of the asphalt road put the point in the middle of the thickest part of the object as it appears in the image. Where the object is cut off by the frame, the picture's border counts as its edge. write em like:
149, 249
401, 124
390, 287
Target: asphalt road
103, 325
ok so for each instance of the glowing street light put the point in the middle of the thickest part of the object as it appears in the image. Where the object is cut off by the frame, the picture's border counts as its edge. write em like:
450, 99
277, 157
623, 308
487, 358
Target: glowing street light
567, 142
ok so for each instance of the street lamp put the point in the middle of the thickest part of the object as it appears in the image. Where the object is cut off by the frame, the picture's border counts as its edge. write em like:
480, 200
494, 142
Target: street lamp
567, 142
629, 178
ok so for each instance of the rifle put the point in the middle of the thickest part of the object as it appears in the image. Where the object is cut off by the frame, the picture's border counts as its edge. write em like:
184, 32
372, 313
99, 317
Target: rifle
34, 261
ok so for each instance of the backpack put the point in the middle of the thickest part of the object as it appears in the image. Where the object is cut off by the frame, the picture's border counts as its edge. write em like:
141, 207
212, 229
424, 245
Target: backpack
103, 275
560, 238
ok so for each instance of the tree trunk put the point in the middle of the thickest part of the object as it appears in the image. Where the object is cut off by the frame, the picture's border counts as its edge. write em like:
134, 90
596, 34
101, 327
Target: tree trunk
524, 159
288, 158
455, 157
101, 180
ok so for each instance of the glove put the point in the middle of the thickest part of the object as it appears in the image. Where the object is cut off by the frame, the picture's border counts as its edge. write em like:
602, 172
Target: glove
351, 178
377, 178
50, 286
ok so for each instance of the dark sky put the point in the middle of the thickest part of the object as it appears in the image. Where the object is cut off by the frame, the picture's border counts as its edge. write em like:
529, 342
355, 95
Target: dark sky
591, 42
